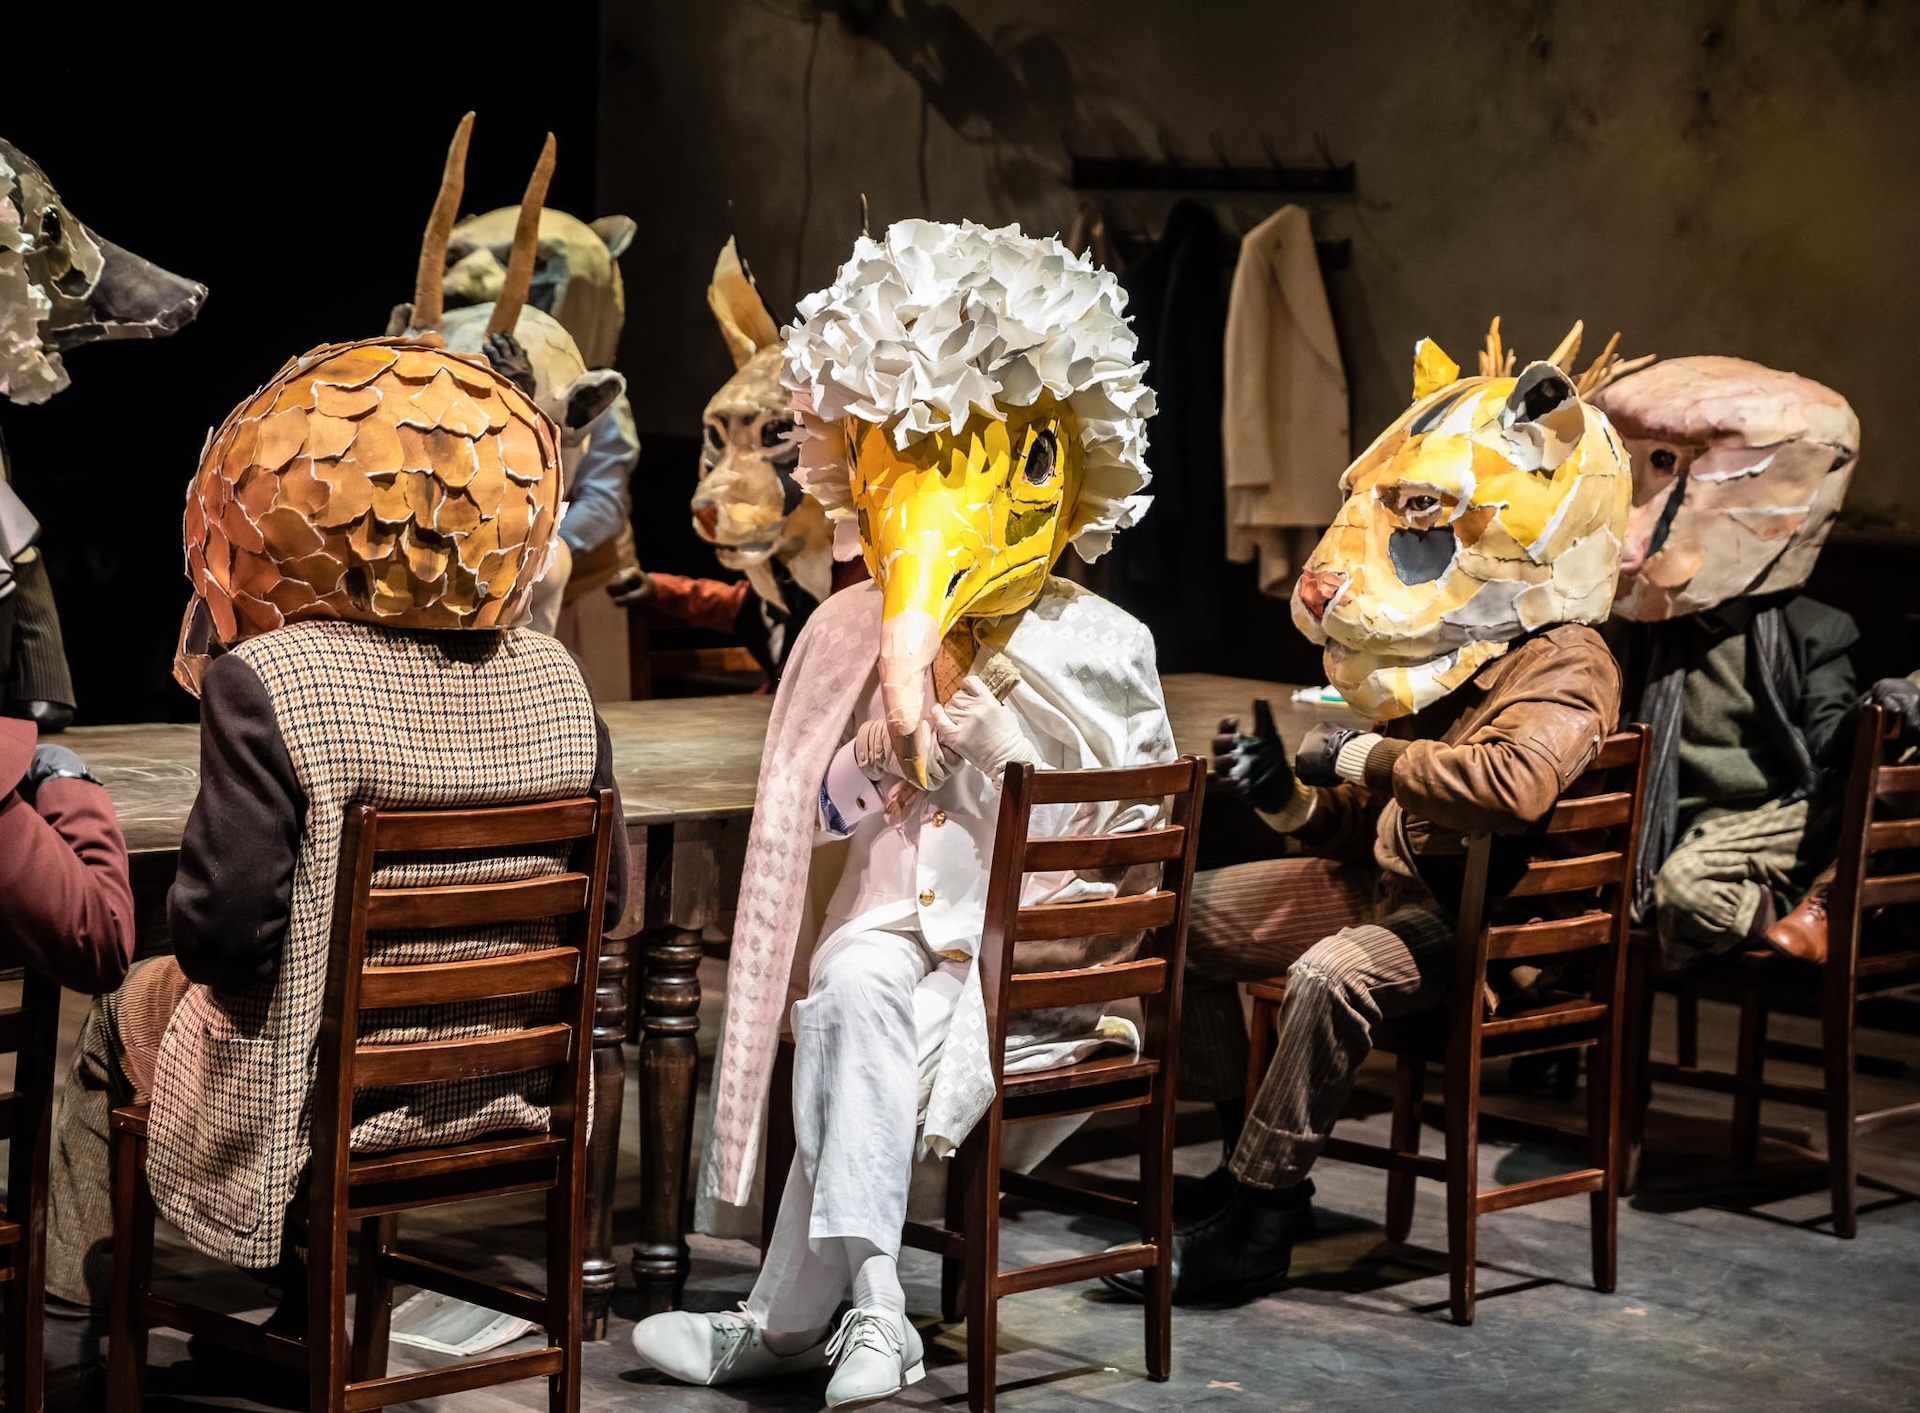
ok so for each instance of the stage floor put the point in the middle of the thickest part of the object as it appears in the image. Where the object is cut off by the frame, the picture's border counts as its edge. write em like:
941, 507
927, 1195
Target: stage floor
1728, 1298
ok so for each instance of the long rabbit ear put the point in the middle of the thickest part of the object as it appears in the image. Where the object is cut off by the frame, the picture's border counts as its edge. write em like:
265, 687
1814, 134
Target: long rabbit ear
526, 245
428, 280
737, 307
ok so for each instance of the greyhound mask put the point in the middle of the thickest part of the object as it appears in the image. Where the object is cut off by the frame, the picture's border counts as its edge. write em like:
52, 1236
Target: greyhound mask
62, 286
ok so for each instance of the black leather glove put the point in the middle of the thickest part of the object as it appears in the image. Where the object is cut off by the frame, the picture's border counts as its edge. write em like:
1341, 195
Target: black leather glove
1319, 753
1900, 699
51, 761
510, 361
1254, 767
629, 587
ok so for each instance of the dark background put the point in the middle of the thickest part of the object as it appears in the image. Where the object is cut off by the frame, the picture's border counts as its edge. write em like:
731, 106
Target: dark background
1707, 176
290, 170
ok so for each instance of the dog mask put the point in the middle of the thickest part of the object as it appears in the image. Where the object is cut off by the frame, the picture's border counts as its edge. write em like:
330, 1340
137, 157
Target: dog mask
747, 504
1738, 473
1493, 507
62, 286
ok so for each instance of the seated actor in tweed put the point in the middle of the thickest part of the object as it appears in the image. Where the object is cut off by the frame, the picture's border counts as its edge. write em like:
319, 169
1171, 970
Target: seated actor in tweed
1478, 539
360, 618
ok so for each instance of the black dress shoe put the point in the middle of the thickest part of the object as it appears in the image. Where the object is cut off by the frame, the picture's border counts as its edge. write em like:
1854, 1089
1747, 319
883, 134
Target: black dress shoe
1197, 1197
51, 717
1239, 1251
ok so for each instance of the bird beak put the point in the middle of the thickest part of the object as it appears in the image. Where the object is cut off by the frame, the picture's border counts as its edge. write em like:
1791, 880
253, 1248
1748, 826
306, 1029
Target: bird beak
920, 601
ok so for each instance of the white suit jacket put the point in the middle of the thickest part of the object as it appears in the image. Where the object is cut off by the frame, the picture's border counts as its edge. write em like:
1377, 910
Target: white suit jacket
1089, 694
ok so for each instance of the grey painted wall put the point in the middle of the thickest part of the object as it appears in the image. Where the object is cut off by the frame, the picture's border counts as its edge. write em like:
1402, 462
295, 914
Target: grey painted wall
1704, 175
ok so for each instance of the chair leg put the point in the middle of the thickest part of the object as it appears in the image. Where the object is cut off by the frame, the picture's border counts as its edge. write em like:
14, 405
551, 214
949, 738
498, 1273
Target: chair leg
566, 1209
1837, 1046
1687, 1001
25, 1375
1603, 1152
981, 1174
327, 1364
1636, 1090
1463, 1184
132, 1275
1409, 1091
1749, 1073
781, 1143
372, 1298
953, 1269
1156, 1227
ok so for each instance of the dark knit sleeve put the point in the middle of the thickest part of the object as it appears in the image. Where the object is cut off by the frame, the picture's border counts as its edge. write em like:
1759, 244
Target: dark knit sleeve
228, 909
617, 860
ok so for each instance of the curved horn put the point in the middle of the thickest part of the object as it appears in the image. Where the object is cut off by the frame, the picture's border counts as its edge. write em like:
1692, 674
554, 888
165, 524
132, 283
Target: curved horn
427, 282
526, 242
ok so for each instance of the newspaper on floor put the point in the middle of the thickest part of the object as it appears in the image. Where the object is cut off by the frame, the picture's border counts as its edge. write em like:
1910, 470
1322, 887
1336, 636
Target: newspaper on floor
444, 1325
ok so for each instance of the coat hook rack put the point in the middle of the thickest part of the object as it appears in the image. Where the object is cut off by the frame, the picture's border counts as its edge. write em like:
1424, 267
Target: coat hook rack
1171, 174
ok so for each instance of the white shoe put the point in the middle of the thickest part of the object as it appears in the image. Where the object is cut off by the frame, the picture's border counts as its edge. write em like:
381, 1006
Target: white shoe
728, 1347
879, 1354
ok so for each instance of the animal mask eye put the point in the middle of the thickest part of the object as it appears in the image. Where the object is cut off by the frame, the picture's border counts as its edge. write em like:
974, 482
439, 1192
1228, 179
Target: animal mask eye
52, 228
1042, 457
715, 440
1542, 389
1420, 505
1661, 459
775, 432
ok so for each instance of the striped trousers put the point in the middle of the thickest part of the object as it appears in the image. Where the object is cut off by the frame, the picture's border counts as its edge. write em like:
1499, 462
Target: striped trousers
33, 656
1307, 918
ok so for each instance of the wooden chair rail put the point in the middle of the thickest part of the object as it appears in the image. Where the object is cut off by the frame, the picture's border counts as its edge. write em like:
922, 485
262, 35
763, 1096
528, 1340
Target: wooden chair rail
1067, 852
1886, 834
1897, 780
439, 983
406, 1268
467, 1057
1545, 1189
364, 1394
476, 904
1620, 751
1096, 917
1088, 787
1516, 940
500, 827
1578, 875
1581, 813
491, 1151
1887, 889
1038, 991
1143, 1257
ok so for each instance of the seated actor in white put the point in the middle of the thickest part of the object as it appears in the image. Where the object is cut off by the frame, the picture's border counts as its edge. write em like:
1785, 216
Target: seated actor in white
959, 523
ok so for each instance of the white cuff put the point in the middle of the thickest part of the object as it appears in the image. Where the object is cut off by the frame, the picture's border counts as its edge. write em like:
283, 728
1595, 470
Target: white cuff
1297, 811
846, 795
1351, 764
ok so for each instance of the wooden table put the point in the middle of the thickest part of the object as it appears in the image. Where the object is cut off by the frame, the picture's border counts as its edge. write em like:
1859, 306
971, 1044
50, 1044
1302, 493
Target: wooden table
687, 771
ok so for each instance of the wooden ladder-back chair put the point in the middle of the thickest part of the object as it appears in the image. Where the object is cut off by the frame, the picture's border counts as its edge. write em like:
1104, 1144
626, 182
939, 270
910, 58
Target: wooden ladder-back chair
1870, 875
343, 1188
1599, 814
30, 1032
972, 1281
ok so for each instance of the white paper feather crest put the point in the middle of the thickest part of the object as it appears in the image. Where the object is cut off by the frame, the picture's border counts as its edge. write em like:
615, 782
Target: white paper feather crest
933, 322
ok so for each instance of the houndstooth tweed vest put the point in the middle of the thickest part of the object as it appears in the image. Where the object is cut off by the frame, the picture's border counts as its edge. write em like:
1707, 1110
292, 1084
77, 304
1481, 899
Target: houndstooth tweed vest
410, 720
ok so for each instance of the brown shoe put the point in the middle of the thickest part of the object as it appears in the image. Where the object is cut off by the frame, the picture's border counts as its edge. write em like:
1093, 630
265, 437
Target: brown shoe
1802, 933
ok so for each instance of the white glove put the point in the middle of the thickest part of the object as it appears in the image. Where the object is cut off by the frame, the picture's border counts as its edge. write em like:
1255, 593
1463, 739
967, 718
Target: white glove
978, 727
878, 757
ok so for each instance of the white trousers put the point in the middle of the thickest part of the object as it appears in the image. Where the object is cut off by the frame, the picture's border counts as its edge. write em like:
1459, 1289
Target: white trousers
874, 1018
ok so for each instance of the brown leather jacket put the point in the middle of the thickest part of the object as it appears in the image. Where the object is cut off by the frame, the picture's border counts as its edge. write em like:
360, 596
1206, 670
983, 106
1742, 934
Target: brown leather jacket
1493, 755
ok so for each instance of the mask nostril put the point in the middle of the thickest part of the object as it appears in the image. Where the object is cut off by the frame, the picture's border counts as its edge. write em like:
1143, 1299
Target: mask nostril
1421, 556
954, 582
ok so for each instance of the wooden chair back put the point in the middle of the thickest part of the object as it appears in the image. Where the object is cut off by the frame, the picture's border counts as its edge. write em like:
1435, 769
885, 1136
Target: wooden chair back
575, 897
1879, 861
29, 1032
1154, 974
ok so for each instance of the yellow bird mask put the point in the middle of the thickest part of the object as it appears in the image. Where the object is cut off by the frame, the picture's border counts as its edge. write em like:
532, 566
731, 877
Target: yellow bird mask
968, 406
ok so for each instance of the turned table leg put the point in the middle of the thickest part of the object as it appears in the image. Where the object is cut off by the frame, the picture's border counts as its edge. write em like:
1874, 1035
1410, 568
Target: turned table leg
669, 1058
603, 1154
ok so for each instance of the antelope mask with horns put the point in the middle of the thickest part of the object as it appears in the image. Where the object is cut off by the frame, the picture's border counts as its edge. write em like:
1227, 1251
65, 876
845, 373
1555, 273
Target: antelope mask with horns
569, 392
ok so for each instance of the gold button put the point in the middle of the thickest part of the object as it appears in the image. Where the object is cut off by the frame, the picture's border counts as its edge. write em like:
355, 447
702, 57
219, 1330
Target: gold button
926, 897
939, 818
